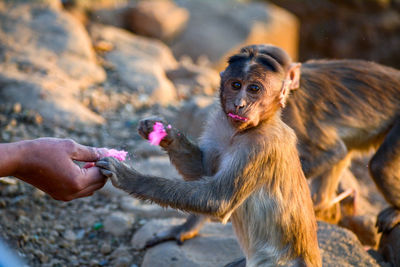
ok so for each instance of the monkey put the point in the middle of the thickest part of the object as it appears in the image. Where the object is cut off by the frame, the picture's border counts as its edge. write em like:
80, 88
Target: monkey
246, 168
338, 109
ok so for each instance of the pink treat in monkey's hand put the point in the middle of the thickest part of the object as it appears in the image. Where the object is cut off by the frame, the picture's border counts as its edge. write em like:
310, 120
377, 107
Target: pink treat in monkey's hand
158, 133
105, 152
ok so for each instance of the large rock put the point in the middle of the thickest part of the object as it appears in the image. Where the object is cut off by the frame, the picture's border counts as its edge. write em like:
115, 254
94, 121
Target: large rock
219, 28
217, 246
160, 19
139, 62
46, 59
190, 79
193, 114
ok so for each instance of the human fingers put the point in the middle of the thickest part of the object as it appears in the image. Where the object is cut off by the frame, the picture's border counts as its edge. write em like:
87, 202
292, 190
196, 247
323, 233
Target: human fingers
86, 153
88, 191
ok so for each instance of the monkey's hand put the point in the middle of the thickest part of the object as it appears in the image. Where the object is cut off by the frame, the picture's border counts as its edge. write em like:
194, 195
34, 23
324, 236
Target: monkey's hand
146, 126
119, 172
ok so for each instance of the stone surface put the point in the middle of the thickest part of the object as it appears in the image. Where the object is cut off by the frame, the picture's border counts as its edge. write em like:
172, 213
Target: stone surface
140, 63
148, 211
47, 58
193, 115
118, 223
355, 29
340, 247
217, 246
219, 28
190, 79
161, 19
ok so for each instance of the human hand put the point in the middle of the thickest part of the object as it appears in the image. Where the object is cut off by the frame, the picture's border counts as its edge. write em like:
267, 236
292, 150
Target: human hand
47, 163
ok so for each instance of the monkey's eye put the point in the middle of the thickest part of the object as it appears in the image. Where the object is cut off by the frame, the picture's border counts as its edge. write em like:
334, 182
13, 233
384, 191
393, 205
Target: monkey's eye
236, 85
254, 88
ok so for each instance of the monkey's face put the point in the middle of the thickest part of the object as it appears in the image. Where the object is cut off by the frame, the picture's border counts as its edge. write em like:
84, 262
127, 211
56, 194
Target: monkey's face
250, 97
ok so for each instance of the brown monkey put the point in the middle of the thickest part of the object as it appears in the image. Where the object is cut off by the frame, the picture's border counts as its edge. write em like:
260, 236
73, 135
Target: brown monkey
246, 168
337, 107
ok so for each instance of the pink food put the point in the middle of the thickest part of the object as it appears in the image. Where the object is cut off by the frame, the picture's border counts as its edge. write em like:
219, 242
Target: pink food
237, 117
157, 134
118, 154
105, 152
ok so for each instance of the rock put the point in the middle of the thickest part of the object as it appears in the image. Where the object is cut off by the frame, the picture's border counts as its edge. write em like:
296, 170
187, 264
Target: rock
144, 150
122, 257
56, 4
123, 262
69, 235
216, 245
105, 248
115, 16
193, 115
356, 34
340, 247
219, 28
47, 58
160, 19
110, 191
157, 166
148, 211
389, 246
87, 220
140, 63
118, 223
190, 79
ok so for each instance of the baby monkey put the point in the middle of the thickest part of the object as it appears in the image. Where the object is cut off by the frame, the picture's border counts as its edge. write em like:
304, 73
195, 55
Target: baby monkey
246, 167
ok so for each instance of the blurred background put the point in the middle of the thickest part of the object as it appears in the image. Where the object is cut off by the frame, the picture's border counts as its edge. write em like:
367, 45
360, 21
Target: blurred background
91, 69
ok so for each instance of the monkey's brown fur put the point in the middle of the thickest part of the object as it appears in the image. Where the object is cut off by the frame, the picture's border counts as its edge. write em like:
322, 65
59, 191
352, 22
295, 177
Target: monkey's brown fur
246, 169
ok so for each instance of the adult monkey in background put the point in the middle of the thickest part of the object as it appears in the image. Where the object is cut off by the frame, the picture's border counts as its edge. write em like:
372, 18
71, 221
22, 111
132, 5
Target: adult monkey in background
337, 107
246, 168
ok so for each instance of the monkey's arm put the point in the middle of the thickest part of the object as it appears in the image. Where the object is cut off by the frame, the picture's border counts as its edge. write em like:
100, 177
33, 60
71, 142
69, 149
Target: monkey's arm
216, 196
184, 154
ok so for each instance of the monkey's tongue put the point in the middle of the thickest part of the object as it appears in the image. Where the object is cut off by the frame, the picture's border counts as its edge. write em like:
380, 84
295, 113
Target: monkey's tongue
237, 117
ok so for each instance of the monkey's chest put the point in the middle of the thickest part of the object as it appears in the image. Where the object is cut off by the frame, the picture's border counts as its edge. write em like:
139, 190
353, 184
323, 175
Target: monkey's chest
255, 222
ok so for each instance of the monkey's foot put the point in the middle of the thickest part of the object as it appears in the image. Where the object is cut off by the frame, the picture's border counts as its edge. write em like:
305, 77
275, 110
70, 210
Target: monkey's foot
237, 263
179, 233
388, 219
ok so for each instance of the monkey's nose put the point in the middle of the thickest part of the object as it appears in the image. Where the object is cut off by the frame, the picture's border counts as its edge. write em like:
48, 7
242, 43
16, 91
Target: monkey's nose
240, 103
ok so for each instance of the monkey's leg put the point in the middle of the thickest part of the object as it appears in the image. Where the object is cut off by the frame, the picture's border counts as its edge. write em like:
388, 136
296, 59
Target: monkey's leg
181, 232
385, 170
237, 263
323, 191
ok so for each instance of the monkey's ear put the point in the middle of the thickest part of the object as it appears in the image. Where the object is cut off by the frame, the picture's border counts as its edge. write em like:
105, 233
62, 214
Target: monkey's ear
293, 75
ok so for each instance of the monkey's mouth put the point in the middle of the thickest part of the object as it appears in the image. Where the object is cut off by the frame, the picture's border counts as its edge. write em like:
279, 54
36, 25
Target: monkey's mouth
237, 117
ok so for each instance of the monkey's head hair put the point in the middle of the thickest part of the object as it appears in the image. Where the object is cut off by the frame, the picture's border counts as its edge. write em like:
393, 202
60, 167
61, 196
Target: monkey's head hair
270, 56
